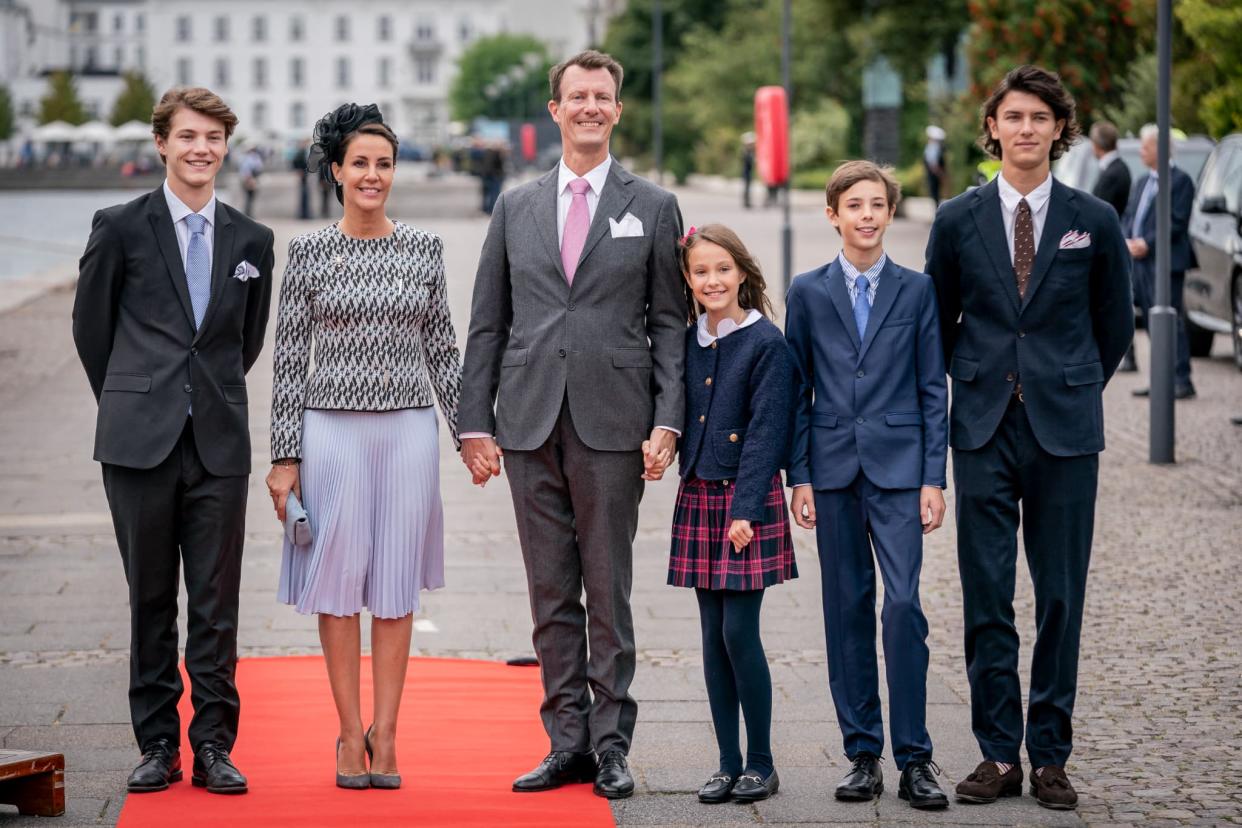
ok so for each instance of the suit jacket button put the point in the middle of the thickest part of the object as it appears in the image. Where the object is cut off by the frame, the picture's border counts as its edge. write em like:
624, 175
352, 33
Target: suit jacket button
860, 421
708, 381
862, 374
1021, 334
571, 306
561, 352
194, 352
732, 438
1009, 377
702, 418
188, 388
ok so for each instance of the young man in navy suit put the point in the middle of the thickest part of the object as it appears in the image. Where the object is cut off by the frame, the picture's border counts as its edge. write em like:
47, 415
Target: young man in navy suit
868, 466
1033, 281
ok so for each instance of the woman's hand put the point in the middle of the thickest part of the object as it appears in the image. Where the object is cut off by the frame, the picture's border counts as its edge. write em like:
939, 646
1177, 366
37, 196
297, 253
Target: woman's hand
741, 534
282, 479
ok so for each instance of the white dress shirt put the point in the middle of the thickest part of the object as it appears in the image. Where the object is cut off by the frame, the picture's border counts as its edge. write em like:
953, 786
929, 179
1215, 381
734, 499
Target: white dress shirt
565, 197
872, 274
179, 211
1037, 199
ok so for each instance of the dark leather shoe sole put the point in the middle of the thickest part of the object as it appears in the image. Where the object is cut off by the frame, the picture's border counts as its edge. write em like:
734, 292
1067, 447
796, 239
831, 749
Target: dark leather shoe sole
859, 796
931, 803
175, 776
199, 782
758, 795
584, 777
715, 799
613, 793
1053, 806
983, 800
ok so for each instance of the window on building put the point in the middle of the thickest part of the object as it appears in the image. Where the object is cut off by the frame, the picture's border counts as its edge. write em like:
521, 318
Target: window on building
258, 29
425, 29
92, 57
260, 115
260, 73
425, 68
384, 28
184, 32
222, 73
118, 22
184, 72
297, 72
297, 115
342, 28
383, 73
297, 28
140, 22
464, 30
222, 29
342, 72
118, 58
140, 57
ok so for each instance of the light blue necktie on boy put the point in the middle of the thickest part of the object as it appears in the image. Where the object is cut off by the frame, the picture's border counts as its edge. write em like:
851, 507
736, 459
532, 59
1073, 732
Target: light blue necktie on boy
862, 305
198, 267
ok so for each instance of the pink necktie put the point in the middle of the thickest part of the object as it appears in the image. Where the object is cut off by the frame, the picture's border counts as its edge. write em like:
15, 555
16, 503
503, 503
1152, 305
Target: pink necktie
577, 225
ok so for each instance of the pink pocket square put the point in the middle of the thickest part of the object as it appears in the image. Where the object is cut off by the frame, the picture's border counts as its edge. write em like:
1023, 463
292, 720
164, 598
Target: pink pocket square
1074, 239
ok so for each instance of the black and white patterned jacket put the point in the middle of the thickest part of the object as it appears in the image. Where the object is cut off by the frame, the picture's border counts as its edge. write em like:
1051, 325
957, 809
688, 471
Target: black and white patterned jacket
376, 311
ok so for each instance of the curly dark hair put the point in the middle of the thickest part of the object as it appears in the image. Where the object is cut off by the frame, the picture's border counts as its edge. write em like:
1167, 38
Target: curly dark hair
335, 130
752, 294
1046, 86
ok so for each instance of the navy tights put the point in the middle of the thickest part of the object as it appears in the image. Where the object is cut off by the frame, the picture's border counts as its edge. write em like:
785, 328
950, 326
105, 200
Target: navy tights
736, 671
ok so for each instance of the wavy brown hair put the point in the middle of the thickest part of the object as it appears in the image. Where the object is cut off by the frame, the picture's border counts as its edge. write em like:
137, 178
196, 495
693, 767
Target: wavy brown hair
751, 294
1046, 86
196, 98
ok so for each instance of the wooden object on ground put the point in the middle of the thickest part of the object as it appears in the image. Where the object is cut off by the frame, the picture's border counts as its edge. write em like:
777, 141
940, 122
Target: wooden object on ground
33, 781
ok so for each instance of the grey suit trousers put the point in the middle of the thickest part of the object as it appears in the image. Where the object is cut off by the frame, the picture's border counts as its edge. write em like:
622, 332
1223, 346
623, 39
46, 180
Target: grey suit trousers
577, 513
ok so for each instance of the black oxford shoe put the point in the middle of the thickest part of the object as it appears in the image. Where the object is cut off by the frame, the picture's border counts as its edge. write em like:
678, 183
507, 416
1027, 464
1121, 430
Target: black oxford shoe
160, 765
751, 787
717, 789
918, 785
864, 782
560, 767
215, 771
613, 780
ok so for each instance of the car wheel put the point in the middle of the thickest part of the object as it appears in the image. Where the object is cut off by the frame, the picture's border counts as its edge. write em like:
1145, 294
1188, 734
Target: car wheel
1237, 320
1200, 340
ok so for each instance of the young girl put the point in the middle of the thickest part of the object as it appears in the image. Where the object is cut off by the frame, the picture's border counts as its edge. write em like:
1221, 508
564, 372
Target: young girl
731, 535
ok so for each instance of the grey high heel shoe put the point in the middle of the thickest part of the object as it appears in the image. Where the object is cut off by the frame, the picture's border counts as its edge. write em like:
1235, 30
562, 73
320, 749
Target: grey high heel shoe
353, 781
388, 781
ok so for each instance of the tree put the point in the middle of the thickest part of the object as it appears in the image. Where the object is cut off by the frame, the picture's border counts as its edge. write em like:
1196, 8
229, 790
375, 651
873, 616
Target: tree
515, 70
1216, 28
6, 113
136, 101
61, 103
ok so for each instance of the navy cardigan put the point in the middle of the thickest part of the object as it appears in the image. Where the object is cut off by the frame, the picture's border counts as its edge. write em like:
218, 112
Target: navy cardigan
739, 412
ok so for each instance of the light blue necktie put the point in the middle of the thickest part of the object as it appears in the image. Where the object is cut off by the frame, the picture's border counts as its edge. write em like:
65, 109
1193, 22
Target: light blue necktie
1145, 199
198, 267
862, 305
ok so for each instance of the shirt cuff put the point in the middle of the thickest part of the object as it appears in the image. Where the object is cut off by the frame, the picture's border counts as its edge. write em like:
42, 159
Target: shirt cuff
802, 485
473, 435
669, 428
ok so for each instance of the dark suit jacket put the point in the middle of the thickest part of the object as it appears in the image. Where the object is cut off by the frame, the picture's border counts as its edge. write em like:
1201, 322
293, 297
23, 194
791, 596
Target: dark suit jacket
878, 404
1062, 341
133, 326
1181, 254
613, 343
1113, 185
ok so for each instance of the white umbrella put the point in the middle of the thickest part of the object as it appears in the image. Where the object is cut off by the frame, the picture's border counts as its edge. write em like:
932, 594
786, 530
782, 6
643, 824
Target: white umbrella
56, 132
94, 132
133, 131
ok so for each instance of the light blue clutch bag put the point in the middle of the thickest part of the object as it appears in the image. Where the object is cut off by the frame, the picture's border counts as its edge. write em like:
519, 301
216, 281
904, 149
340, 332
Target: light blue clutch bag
297, 522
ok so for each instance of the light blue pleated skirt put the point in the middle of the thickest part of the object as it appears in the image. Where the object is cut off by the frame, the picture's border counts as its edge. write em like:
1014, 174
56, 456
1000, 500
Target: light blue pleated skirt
371, 487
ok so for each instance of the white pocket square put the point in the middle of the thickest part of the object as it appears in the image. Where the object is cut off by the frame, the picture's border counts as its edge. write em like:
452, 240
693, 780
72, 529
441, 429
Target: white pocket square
245, 271
629, 226
1074, 239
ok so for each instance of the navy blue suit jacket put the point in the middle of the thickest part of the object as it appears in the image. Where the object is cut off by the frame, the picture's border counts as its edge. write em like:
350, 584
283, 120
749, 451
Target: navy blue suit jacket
1181, 254
1063, 340
878, 404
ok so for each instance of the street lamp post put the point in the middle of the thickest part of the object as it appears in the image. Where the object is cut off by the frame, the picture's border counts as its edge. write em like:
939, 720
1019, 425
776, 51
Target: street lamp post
787, 82
1162, 320
657, 84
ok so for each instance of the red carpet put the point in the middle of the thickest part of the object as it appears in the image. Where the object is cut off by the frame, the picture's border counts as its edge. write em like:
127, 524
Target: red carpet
467, 728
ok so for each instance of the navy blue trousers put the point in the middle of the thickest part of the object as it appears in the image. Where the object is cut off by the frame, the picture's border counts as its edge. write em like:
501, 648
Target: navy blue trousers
1057, 496
849, 522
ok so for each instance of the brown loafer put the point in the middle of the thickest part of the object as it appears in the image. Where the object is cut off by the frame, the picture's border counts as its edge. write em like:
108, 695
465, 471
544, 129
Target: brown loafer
1052, 789
986, 785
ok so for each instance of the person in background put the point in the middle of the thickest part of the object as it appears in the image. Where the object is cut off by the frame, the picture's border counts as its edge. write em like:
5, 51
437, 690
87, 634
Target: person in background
1113, 187
934, 170
748, 166
298, 165
249, 170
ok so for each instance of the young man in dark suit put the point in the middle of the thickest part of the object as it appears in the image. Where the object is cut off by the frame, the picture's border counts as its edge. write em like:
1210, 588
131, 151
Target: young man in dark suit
170, 312
1139, 224
1033, 280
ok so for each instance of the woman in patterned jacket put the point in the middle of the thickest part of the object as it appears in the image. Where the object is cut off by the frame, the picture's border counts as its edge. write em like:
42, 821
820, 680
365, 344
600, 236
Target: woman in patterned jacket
355, 437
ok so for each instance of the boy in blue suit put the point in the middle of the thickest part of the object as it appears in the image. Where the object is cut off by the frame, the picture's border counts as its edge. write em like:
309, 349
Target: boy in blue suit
868, 466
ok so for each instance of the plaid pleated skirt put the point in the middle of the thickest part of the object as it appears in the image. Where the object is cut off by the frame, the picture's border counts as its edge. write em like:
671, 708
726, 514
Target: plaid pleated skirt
702, 555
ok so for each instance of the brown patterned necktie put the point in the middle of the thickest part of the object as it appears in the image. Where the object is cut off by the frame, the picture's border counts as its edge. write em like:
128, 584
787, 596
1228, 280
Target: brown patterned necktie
1023, 246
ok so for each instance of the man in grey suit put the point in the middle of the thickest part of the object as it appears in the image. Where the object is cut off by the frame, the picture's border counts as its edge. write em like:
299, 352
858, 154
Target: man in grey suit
574, 368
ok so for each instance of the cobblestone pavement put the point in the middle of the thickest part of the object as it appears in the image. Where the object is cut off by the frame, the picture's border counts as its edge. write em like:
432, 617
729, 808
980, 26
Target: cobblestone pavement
1158, 717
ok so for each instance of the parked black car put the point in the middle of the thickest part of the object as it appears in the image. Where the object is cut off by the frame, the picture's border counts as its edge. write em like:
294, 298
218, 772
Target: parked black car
1214, 290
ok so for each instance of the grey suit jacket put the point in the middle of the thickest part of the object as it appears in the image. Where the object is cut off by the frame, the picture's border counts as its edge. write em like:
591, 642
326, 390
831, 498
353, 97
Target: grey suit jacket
613, 343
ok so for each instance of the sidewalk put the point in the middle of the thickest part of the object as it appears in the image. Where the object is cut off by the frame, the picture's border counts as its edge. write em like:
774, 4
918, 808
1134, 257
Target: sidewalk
1157, 720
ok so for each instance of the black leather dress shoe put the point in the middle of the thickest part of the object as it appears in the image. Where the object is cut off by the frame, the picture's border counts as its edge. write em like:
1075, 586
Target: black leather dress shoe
864, 782
613, 780
751, 787
717, 789
560, 767
1128, 363
215, 771
1180, 392
918, 785
160, 765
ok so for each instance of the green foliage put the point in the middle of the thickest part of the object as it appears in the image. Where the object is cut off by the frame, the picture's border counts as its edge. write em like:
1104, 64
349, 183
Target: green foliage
486, 62
6, 113
61, 103
1137, 103
136, 101
820, 135
1216, 28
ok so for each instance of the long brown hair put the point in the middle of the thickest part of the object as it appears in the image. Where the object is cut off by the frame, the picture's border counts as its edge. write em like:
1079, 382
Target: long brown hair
751, 294
1046, 86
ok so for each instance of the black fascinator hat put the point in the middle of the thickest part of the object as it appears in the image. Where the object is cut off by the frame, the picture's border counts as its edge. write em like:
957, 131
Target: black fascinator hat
332, 134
